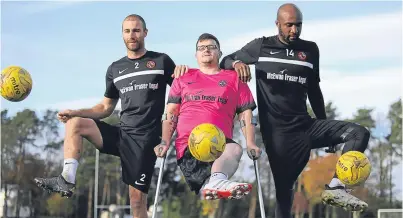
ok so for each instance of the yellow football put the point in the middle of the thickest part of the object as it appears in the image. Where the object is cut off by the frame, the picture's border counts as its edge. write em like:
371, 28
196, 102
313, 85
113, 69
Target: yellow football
353, 168
16, 83
206, 142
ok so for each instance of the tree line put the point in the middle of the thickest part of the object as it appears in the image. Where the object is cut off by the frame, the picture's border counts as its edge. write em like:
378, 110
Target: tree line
31, 146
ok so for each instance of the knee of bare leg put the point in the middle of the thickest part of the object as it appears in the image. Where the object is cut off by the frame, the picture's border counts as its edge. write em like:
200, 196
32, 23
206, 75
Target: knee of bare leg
75, 125
236, 150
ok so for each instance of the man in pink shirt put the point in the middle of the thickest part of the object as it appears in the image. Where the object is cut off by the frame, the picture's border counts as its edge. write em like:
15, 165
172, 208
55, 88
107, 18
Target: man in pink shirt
209, 95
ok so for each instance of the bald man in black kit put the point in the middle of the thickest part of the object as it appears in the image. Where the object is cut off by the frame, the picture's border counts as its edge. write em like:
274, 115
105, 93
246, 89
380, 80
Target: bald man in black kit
287, 73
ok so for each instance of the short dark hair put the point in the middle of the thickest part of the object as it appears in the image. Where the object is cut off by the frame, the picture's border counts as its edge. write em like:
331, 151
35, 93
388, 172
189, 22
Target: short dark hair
136, 16
206, 36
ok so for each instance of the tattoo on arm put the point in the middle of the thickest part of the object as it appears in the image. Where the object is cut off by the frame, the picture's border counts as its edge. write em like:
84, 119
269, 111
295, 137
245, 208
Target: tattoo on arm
242, 123
169, 123
173, 119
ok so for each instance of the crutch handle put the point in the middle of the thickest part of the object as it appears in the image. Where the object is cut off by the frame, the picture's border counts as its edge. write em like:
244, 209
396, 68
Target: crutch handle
253, 152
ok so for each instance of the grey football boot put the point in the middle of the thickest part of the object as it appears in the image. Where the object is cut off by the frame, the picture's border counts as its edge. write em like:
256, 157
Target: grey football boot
56, 184
339, 196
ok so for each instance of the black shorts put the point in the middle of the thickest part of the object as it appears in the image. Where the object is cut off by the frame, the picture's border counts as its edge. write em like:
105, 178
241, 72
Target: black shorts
196, 172
137, 156
289, 151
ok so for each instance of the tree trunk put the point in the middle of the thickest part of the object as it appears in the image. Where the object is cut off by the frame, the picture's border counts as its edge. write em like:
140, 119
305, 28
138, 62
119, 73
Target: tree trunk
169, 202
31, 203
252, 203
327, 212
90, 195
297, 206
310, 211
5, 201
17, 203
77, 194
382, 171
104, 190
125, 193
108, 191
390, 177
20, 172
118, 186
334, 212
220, 209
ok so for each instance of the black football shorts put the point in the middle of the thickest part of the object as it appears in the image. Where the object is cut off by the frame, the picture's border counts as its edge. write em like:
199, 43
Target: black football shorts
137, 156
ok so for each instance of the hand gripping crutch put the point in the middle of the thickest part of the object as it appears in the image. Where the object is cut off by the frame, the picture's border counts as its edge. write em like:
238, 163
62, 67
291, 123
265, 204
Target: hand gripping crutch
157, 192
259, 187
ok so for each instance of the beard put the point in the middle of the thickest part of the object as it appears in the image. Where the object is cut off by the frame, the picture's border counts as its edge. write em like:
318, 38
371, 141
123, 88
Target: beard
137, 46
287, 38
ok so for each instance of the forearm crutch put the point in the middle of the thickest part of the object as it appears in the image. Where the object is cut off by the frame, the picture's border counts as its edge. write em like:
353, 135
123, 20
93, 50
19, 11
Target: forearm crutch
157, 192
259, 187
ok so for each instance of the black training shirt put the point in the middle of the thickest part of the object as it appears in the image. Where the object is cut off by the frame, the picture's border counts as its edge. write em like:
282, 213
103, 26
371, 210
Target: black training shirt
141, 86
283, 74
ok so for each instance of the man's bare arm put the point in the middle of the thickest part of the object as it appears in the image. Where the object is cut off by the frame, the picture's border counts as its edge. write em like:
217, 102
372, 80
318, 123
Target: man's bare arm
247, 126
102, 110
169, 123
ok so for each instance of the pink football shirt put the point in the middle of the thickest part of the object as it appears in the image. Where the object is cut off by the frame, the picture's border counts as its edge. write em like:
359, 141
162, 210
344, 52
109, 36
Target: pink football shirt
211, 99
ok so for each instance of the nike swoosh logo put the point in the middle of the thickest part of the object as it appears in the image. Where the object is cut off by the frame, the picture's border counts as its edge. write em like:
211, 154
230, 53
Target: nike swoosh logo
137, 183
68, 163
123, 70
274, 52
191, 82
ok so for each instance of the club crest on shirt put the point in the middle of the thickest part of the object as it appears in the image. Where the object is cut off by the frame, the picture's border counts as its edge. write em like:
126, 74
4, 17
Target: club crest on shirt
222, 83
302, 55
150, 64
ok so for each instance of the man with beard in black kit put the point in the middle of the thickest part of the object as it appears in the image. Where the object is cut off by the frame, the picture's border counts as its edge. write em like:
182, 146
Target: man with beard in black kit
139, 80
287, 73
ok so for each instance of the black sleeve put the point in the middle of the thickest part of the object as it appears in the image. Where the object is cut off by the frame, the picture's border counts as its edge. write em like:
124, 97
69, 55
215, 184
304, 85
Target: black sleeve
249, 54
315, 62
169, 67
315, 95
111, 90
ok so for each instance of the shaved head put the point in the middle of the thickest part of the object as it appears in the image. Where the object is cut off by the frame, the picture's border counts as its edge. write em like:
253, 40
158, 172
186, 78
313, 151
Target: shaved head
289, 23
288, 8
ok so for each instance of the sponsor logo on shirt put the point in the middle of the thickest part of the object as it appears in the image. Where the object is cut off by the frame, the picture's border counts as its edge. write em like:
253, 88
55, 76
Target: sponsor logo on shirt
199, 97
285, 77
135, 87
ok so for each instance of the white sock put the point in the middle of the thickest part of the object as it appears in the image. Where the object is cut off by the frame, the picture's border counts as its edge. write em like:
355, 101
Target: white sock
217, 175
69, 170
336, 182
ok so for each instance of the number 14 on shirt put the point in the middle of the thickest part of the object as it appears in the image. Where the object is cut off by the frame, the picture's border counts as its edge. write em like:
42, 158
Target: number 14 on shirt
289, 52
